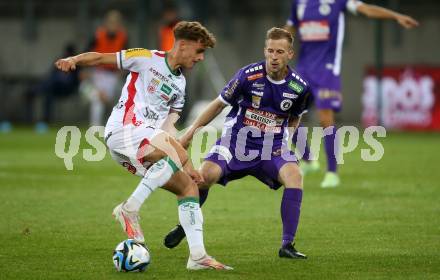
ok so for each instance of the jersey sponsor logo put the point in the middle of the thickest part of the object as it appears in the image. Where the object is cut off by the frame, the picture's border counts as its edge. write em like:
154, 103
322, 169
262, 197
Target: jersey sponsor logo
151, 88
150, 114
327, 94
258, 85
314, 30
165, 89
255, 76
290, 95
165, 97
159, 75
229, 91
253, 69
137, 52
263, 120
295, 86
176, 88
286, 104
259, 93
223, 151
256, 101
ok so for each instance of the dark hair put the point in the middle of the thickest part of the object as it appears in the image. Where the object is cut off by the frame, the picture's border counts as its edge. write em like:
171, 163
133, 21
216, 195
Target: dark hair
276, 33
194, 31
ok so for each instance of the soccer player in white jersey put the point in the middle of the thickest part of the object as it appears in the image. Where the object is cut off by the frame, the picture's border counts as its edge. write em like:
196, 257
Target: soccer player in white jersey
139, 132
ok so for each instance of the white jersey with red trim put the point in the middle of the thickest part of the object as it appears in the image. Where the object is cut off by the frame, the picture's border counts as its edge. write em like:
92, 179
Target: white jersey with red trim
150, 91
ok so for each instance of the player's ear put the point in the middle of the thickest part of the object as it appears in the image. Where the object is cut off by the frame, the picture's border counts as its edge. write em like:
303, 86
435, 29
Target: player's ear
180, 44
290, 53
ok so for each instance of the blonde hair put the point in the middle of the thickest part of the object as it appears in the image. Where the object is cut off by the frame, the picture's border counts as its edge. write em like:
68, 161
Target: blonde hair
276, 33
194, 31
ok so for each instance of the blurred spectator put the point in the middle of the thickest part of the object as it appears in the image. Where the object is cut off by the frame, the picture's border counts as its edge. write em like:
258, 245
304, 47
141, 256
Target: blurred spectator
169, 19
100, 86
56, 85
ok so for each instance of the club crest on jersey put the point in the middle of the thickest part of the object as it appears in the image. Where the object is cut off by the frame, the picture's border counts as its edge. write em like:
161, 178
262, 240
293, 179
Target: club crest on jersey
286, 104
295, 86
256, 101
325, 9
151, 88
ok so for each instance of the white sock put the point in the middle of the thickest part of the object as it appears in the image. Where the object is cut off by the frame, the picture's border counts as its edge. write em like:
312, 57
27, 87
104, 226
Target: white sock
191, 219
156, 176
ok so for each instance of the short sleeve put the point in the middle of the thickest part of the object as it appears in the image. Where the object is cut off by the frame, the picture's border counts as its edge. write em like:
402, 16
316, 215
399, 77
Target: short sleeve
178, 104
134, 60
352, 5
292, 20
302, 104
232, 91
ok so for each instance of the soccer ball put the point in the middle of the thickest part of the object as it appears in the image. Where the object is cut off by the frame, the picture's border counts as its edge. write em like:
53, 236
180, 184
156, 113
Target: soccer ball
131, 256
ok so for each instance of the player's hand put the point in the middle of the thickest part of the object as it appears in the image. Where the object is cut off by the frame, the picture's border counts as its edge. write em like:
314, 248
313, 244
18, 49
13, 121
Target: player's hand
66, 64
407, 21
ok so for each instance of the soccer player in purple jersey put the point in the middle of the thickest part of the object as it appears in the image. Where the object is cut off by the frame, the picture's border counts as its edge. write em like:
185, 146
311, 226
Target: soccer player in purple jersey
320, 28
266, 98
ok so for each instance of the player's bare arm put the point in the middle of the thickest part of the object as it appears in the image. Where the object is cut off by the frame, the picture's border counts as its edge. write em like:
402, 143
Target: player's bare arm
85, 59
214, 108
373, 11
169, 124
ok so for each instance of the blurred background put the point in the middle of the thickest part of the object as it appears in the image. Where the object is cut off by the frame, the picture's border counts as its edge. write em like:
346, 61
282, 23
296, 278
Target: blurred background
34, 33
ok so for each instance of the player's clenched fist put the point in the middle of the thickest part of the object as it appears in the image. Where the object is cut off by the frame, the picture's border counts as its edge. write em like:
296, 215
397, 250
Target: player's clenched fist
66, 64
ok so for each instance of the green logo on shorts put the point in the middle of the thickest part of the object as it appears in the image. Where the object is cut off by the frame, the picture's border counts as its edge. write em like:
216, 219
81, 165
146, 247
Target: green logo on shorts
296, 87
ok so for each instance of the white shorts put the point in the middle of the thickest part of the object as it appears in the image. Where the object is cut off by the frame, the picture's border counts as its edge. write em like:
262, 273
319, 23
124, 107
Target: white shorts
127, 146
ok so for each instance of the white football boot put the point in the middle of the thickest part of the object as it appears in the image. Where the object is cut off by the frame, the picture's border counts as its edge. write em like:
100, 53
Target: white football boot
206, 262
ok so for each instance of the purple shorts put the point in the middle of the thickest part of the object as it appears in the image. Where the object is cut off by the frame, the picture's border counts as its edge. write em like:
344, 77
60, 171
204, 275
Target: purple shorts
264, 170
326, 90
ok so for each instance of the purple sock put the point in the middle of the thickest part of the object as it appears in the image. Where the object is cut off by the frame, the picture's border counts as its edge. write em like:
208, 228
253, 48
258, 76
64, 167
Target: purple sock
290, 209
203, 194
329, 142
306, 155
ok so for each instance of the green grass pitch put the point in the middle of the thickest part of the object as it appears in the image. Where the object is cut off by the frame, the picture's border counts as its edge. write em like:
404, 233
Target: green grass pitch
383, 222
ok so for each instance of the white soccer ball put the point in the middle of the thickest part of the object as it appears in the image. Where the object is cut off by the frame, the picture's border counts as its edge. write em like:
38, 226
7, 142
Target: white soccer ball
131, 256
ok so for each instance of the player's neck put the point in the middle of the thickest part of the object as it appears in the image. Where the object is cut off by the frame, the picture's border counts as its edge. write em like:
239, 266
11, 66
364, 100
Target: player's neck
172, 62
278, 76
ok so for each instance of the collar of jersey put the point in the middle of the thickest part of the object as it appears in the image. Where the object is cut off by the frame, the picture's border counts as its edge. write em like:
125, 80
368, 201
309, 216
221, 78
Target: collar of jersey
175, 73
275, 82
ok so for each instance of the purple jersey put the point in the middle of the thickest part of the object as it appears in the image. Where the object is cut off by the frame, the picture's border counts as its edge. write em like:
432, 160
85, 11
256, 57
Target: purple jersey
320, 25
261, 107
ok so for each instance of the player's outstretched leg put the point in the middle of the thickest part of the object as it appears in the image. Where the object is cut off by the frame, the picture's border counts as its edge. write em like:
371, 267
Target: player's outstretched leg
291, 178
211, 173
177, 234
127, 213
191, 220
